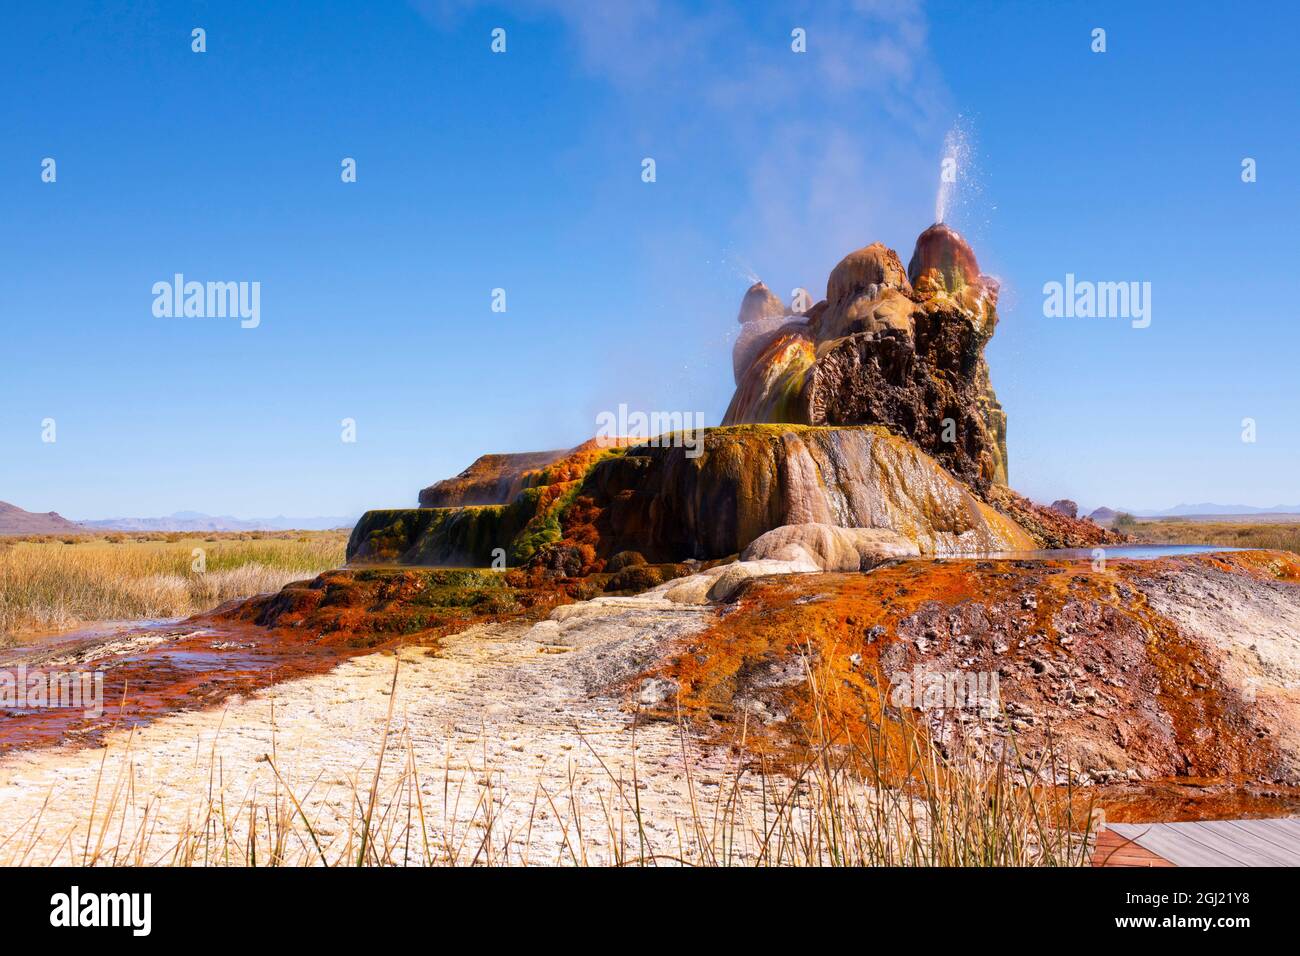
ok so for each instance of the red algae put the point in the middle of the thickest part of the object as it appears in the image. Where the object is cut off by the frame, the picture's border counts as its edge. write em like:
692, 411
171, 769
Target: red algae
187, 666
307, 628
1174, 800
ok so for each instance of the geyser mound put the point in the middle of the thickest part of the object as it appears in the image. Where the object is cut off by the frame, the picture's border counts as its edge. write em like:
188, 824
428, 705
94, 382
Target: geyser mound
760, 303
893, 347
942, 250
872, 410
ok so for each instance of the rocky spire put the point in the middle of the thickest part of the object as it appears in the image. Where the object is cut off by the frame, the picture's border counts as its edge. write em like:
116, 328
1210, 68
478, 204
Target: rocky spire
941, 248
903, 349
760, 302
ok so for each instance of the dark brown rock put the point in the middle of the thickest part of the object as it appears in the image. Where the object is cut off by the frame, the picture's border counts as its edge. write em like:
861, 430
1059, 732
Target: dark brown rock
624, 559
562, 560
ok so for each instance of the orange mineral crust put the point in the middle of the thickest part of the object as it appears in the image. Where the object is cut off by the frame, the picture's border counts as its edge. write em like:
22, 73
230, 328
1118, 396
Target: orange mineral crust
1094, 672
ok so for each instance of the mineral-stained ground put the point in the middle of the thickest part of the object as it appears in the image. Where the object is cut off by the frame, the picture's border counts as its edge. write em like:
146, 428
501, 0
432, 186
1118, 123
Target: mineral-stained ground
843, 561
1161, 689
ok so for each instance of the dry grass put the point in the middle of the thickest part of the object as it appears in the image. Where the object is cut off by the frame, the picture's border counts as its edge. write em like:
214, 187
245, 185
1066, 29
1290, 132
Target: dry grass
47, 584
1275, 536
835, 809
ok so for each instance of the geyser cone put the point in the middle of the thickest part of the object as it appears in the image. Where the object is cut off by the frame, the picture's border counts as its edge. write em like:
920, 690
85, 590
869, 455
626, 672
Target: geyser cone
760, 302
941, 247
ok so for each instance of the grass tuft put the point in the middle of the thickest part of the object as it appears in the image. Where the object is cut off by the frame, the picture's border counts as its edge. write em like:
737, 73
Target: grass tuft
839, 807
46, 585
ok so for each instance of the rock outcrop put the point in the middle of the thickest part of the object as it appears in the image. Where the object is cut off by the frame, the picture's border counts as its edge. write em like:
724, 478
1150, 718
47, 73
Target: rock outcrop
670, 507
1066, 507
491, 480
873, 410
14, 520
751, 479
829, 547
887, 346
762, 317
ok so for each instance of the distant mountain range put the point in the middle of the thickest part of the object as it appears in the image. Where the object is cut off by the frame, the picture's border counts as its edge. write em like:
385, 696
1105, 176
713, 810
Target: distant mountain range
1200, 510
196, 521
1209, 508
1204, 511
14, 520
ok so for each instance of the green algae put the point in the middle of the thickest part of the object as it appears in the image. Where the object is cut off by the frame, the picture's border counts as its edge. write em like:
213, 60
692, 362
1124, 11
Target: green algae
469, 536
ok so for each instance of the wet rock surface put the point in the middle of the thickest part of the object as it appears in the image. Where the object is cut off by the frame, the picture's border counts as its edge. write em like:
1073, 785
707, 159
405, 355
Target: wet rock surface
669, 505
831, 548
753, 479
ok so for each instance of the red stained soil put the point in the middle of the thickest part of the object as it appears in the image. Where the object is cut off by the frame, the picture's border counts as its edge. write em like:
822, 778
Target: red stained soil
1091, 677
193, 665
307, 628
1143, 710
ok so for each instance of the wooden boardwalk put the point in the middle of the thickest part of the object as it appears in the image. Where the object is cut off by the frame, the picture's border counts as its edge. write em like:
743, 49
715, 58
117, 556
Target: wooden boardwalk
1274, 842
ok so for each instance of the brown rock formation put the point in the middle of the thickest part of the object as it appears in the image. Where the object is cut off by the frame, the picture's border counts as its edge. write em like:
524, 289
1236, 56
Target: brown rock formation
753, 479
500, 479
888, 347
759, 303
490, 480
763, 320
898, 349
670, 507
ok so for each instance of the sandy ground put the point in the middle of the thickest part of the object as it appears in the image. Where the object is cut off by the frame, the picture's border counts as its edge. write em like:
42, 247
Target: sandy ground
506, 725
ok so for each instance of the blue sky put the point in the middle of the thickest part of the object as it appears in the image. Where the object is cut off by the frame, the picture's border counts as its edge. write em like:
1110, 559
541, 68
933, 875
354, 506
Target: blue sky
522, 171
